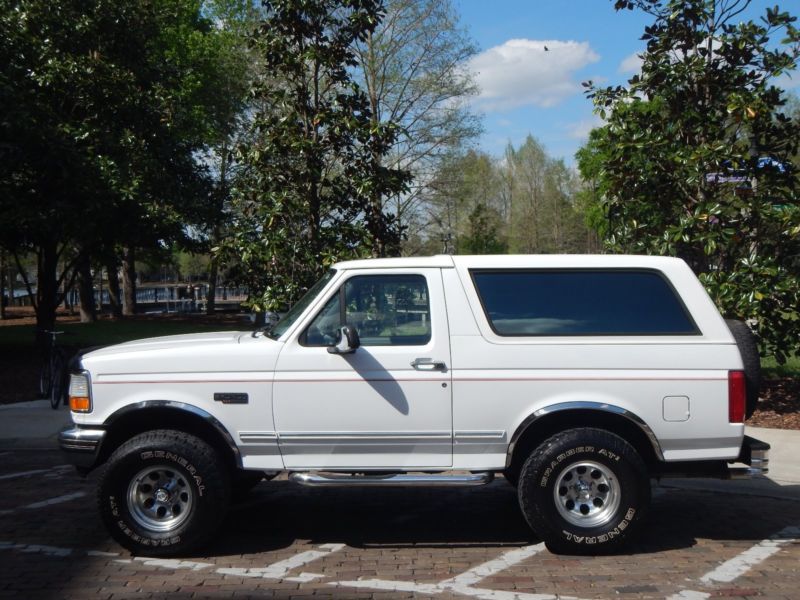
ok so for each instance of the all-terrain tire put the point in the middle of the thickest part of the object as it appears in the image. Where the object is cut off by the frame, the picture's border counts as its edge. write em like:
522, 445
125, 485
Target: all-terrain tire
163, 493
748, 349
584, 491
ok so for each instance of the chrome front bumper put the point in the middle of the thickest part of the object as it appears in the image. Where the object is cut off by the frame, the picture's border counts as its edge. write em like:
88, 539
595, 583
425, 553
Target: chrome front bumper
81, 445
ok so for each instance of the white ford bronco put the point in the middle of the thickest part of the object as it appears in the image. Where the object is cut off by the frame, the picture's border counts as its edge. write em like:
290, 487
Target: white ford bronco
578, 378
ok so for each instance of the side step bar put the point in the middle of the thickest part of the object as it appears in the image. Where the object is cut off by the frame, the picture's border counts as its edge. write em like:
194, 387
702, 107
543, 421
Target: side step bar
393, 480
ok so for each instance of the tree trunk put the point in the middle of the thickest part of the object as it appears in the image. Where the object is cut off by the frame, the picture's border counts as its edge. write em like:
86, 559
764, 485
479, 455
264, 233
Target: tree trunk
46, 290
211, 294
86, 290
3, 267
12, 301
128, 282
113, 288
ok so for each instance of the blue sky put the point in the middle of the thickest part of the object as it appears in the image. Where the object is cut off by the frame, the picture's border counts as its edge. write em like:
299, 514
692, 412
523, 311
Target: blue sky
526, 90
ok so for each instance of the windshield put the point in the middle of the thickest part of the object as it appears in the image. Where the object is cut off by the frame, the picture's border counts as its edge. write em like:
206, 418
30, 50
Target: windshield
290, 317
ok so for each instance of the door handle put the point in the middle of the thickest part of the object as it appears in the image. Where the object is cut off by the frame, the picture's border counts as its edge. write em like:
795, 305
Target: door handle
428, 364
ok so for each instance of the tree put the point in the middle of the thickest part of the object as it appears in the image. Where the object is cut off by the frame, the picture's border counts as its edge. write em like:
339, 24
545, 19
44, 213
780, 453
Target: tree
540, 198
236, 20
105, 105
463, 196
484, 232
412, 68
314, 166
696, 158
525, 202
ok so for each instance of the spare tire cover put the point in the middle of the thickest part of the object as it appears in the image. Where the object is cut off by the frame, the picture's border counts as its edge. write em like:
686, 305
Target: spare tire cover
748, 348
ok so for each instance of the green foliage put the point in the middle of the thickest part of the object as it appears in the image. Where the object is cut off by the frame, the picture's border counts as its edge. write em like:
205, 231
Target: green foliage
484, 232
525, 203
677, 166
105, 105
313, 177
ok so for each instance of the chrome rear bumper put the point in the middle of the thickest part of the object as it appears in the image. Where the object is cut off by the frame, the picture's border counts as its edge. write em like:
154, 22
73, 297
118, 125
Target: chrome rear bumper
755, 453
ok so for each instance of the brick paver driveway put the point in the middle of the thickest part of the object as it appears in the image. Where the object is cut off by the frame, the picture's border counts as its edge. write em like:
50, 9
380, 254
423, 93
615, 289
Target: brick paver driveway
287, 541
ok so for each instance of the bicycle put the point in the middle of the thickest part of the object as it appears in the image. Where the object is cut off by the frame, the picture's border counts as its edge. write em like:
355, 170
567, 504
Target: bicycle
53, 377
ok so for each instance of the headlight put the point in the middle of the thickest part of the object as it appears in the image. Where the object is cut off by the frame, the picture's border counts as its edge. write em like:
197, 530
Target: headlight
80, 398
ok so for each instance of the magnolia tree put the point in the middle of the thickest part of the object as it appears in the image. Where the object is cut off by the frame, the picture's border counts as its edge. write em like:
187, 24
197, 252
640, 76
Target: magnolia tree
313, 176
695, 158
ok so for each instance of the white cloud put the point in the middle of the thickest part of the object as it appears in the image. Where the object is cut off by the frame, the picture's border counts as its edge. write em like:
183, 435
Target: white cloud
580, 129
522, 72
631, 64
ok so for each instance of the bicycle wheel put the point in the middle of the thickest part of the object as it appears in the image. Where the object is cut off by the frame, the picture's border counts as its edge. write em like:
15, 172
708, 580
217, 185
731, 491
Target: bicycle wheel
46, 378
58, 378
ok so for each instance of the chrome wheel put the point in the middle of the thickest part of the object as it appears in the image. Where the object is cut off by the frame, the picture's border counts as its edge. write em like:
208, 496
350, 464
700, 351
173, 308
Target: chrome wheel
160, 498
587, 494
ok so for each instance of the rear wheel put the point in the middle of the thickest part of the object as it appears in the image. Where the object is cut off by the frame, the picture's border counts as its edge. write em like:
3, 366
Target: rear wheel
163, 493
584, 491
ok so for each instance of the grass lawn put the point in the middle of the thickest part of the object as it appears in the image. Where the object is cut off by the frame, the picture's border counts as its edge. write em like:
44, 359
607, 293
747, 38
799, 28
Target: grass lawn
771, 369
104, 333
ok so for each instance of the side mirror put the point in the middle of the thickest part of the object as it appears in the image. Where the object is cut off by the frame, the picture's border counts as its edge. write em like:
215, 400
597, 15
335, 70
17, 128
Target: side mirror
348, 341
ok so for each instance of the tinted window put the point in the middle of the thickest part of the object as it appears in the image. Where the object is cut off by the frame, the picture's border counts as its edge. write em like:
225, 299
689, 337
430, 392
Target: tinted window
387, 310
581, 303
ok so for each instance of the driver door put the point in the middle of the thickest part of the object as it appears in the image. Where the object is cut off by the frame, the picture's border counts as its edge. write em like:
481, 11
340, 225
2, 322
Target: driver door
387, 405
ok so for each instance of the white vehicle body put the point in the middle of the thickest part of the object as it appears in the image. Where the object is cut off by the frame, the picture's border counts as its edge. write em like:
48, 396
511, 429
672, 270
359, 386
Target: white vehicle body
460, 398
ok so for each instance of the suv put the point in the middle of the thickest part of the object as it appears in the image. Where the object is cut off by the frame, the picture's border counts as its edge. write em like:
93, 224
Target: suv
579, 378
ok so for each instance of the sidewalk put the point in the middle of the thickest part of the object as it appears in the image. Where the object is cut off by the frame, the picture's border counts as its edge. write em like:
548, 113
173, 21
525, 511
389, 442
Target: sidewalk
34, 425
31, 424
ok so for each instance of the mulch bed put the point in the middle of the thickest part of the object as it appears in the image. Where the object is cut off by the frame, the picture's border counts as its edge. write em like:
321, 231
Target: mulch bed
779, 404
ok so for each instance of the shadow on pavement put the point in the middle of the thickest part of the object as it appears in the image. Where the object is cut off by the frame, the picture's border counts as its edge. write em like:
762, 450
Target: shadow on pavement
280, 512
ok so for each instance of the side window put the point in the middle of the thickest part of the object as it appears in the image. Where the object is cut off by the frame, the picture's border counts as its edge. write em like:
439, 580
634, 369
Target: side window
387, 310
581, 302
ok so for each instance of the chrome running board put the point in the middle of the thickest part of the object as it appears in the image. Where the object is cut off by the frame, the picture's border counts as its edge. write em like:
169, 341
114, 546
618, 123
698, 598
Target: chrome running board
393, 480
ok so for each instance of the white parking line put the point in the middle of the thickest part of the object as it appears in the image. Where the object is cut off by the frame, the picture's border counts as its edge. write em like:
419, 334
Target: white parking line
492, 567
54, 471
739, 565
57, 500
23, 474
44, 503
280, 569
462, 584
276, 570
167, 563
36, 549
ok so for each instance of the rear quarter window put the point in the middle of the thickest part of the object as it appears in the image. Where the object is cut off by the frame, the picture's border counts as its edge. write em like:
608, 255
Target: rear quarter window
581, 302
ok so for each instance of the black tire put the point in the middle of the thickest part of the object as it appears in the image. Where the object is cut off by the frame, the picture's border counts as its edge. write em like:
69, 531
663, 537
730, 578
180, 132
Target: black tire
611, 486
748, 349
163, 493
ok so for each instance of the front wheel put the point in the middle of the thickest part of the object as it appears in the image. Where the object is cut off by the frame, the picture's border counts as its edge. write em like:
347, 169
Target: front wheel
584, 491
163, 493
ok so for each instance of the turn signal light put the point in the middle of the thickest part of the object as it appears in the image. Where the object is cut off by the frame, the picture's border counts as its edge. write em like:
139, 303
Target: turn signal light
79, 404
